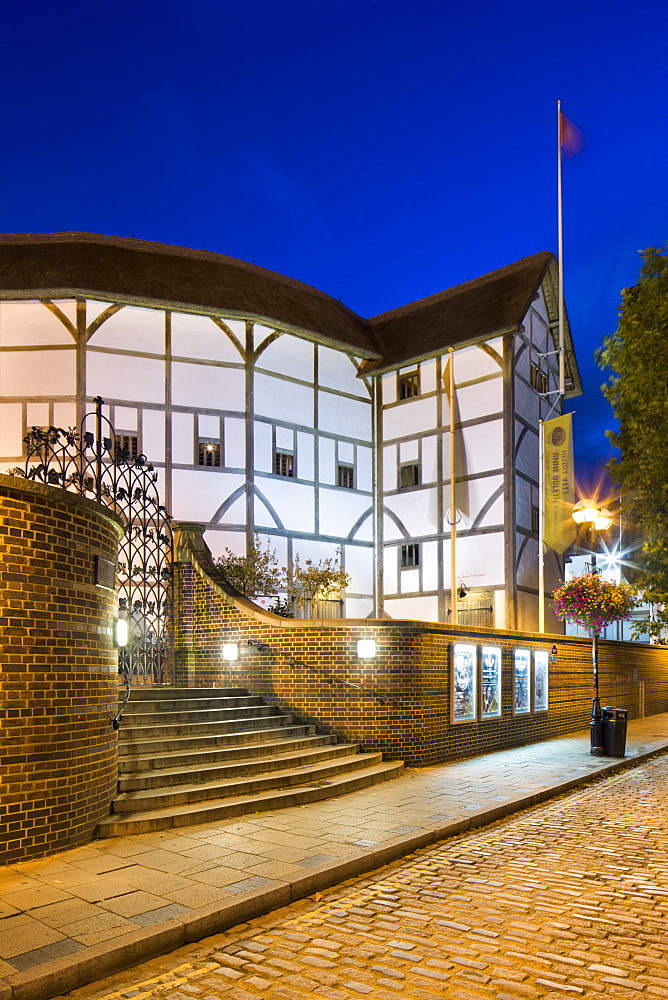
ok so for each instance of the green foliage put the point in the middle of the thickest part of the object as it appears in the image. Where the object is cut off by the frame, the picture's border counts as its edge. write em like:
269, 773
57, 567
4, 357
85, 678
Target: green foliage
282, 607
593, 602
637, 355
319, 581
257, 574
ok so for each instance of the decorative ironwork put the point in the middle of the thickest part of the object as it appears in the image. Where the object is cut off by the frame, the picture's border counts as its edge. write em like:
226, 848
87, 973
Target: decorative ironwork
95, 466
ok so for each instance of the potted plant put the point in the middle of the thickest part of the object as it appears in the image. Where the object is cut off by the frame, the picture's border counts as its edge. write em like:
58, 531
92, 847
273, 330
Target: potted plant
593, 602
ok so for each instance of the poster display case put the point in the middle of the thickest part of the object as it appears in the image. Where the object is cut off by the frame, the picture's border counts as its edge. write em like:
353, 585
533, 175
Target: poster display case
540, 680
522, 682
491, 682
463, 685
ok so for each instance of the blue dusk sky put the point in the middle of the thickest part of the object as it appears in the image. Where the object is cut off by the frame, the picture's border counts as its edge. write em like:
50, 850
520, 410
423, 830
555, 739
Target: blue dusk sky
381, 151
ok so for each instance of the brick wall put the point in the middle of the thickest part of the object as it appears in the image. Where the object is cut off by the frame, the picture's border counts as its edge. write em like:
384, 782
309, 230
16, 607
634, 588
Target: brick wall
58, 669
312, 668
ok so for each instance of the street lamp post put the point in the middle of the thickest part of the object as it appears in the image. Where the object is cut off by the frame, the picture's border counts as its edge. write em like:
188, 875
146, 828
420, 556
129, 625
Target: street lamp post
596, 518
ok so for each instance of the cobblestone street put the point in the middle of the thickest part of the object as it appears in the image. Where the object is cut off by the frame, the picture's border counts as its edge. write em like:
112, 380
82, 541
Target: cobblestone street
566, 899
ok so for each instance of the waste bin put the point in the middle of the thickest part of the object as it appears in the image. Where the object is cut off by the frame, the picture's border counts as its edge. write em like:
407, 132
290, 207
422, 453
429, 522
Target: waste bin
615, 731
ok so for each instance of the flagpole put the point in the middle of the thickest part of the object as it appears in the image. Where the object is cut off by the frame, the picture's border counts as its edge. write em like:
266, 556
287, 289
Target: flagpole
453, 503
541, 525
560, 254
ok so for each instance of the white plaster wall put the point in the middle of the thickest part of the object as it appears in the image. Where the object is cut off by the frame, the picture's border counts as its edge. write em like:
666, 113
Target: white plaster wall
474, 362
289, 355
365, 531
527, 570
209, 386
416, 509
197, 495
153, 435
131, 329
340, 509
479, 492
264, 461
389, 388
31, 323
293, 502
390, 467
527, 456
359, 564
348, 417
358, 607
64, 415
423, 609
337, 371
483, 444
305, 455
200, 337
390, 569
429, 557
499, 608
327, 470
408, 451
235, 443
183, 440
11, 430
125, 418
114, 376
429, 458
478, 400
280, 399
409, 581
37, 415
410, 417
94, 309
363, 471
38, 373
479, 559
428, 376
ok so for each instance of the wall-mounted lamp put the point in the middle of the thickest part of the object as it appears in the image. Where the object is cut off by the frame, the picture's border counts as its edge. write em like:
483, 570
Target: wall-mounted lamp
121, 632
366, 649
231, 651
462, 592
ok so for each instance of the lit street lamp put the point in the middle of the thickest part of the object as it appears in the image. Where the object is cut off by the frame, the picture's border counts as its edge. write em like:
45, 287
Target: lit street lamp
596, 518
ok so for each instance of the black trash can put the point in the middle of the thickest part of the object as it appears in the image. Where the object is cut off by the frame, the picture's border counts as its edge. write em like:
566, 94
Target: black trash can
615, 731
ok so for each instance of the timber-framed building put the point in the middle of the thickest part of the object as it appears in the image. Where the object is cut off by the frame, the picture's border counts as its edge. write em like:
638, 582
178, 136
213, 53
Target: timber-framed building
268, 406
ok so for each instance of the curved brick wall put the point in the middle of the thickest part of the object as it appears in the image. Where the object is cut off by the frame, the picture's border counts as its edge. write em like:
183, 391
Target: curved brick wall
58, 669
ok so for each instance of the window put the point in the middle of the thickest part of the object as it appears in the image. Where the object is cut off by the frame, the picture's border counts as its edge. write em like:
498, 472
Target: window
409, 475
208, 452
535, 515
409, 385
284, 463
345, 475
538, 379
128, 444
410, 555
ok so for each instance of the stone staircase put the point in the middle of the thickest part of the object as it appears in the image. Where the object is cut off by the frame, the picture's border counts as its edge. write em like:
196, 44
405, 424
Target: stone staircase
195, 755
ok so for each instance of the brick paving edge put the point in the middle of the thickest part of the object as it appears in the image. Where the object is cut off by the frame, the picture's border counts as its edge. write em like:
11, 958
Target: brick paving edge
72, 971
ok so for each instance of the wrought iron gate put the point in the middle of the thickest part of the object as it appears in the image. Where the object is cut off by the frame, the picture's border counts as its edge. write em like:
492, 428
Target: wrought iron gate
93, 465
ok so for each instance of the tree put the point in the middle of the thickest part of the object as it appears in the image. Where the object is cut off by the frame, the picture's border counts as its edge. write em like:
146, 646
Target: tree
637, 355
317, 581
257, 574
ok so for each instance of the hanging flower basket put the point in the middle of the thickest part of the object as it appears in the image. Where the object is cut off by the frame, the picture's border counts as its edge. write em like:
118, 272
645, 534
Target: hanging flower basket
592, 602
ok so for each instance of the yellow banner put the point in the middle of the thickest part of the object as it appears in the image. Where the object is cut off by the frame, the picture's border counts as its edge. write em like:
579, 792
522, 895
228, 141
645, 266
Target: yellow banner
558, 487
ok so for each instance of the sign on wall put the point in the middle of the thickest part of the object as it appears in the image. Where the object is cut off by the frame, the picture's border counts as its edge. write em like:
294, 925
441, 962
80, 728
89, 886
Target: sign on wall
540, 680
463, 682
491, 682
522, 682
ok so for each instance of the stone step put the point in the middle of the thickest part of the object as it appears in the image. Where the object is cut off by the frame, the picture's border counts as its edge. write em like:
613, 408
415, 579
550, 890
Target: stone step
164, 798
150, 709
242, 805
268, 733
239, 709
229, 770
261, 717
141, 693
205, 756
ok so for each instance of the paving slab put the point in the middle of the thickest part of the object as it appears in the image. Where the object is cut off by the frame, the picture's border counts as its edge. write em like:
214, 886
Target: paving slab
78, 916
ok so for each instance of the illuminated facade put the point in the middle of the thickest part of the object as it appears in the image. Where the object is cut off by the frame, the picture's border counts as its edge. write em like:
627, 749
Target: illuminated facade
266, 405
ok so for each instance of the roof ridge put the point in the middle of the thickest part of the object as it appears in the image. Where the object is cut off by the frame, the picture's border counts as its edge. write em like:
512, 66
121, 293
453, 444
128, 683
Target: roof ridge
483, 279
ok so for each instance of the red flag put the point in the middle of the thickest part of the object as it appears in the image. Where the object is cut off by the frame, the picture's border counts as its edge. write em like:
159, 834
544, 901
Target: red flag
571, 137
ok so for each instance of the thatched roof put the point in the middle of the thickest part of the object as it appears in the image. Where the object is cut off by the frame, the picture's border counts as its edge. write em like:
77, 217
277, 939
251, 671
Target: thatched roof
133, 271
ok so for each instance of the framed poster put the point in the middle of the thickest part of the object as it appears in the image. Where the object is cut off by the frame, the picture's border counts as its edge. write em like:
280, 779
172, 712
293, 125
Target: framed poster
540, 680
463, 682
522, 682
491, 682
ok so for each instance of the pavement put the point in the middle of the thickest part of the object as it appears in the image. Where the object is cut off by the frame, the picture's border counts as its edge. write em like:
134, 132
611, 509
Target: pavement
81, 915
